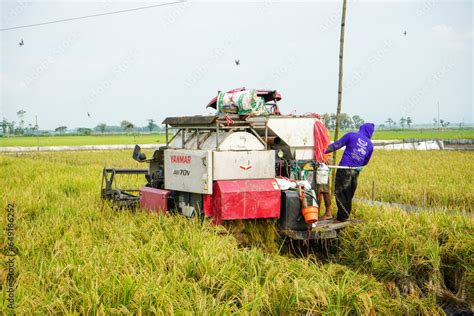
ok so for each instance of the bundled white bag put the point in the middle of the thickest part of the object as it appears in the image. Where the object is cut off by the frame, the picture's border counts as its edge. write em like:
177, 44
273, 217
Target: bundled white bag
244, 102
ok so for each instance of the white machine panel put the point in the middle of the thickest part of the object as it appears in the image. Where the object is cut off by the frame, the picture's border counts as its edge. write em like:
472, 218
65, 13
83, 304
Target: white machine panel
188, 170
236, 165
226, 141
241, 141
294, 131
304, 154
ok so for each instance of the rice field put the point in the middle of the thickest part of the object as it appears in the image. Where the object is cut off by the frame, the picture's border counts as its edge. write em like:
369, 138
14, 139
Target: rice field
130, 139
432, 179
75, 256
66, 140
451, 133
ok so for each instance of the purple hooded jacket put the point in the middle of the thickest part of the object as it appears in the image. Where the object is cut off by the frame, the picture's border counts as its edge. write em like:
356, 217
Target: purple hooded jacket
358, 146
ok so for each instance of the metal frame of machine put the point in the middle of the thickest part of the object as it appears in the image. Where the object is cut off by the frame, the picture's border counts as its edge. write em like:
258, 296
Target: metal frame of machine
225, 167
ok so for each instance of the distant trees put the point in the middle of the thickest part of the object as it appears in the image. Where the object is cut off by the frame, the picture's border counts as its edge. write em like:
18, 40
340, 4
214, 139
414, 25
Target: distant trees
20, 127
60, 129
402, 122
21, 124
333, 118
84, 130
126, 125
347, 122
4, 125
327, 120
8, 127
151, 125
405, 121
390, 122
11, 127
444, 123
358, 121
101, 127
441, 122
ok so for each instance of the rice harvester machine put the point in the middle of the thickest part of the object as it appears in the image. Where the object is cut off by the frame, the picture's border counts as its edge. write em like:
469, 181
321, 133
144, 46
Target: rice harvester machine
232, 167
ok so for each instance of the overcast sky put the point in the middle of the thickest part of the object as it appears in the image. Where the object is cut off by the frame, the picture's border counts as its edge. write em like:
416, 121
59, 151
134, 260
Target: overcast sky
172, 60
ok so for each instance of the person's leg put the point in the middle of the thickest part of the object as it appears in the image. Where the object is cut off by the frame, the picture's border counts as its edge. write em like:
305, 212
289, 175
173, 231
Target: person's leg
327, 206
352, 188
324, 195
338, 189
328, 203
342, 194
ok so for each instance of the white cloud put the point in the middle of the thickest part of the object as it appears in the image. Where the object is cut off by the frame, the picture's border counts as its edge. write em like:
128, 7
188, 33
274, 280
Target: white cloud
442, 29
450, 37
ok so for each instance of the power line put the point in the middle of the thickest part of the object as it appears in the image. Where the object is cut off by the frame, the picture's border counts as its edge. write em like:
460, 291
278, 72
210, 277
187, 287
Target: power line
91, 16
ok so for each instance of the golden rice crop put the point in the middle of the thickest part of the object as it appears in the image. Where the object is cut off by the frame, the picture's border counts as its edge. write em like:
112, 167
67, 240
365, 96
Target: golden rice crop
423, 252
434, 179
74, 256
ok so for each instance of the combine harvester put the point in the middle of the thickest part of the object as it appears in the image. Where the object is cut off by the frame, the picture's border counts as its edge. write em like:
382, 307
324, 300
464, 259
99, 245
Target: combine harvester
231, 166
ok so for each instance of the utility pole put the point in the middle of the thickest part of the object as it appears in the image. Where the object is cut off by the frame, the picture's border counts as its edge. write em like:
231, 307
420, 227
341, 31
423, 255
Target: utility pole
339, 93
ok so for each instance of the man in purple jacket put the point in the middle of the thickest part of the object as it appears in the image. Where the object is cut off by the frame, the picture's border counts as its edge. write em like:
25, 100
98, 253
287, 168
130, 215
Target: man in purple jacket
356, 155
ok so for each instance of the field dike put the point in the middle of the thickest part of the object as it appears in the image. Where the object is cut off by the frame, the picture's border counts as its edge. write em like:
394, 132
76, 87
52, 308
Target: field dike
76, 256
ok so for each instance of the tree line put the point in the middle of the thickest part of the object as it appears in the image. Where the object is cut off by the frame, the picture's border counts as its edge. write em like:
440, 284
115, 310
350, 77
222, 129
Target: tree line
124, 126
404, 121
347, 121
19, 127
407, 121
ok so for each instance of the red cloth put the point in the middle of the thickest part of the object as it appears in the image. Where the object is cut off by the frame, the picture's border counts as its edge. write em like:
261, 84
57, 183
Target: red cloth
321, 142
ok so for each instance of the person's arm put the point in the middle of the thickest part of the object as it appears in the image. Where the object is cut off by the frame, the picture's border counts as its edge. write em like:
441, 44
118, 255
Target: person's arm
367, 158
338, 144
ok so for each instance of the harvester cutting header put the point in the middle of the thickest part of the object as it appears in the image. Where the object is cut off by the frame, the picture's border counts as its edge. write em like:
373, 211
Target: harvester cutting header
248, 161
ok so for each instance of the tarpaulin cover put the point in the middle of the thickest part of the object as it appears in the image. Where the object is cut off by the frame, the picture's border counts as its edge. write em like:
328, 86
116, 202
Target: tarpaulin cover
244, 102
321, 142
267, 95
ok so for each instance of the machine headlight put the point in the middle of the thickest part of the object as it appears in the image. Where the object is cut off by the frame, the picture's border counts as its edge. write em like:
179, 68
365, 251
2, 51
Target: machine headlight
280, 154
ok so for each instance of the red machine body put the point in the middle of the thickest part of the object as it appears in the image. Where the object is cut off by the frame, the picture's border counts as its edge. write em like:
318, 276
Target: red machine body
154, 200
244, 199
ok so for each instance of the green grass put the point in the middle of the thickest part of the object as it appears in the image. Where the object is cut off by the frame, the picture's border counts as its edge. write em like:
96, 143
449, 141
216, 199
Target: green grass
81, 140
77, 257
435, 179
160, 138
399, 134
